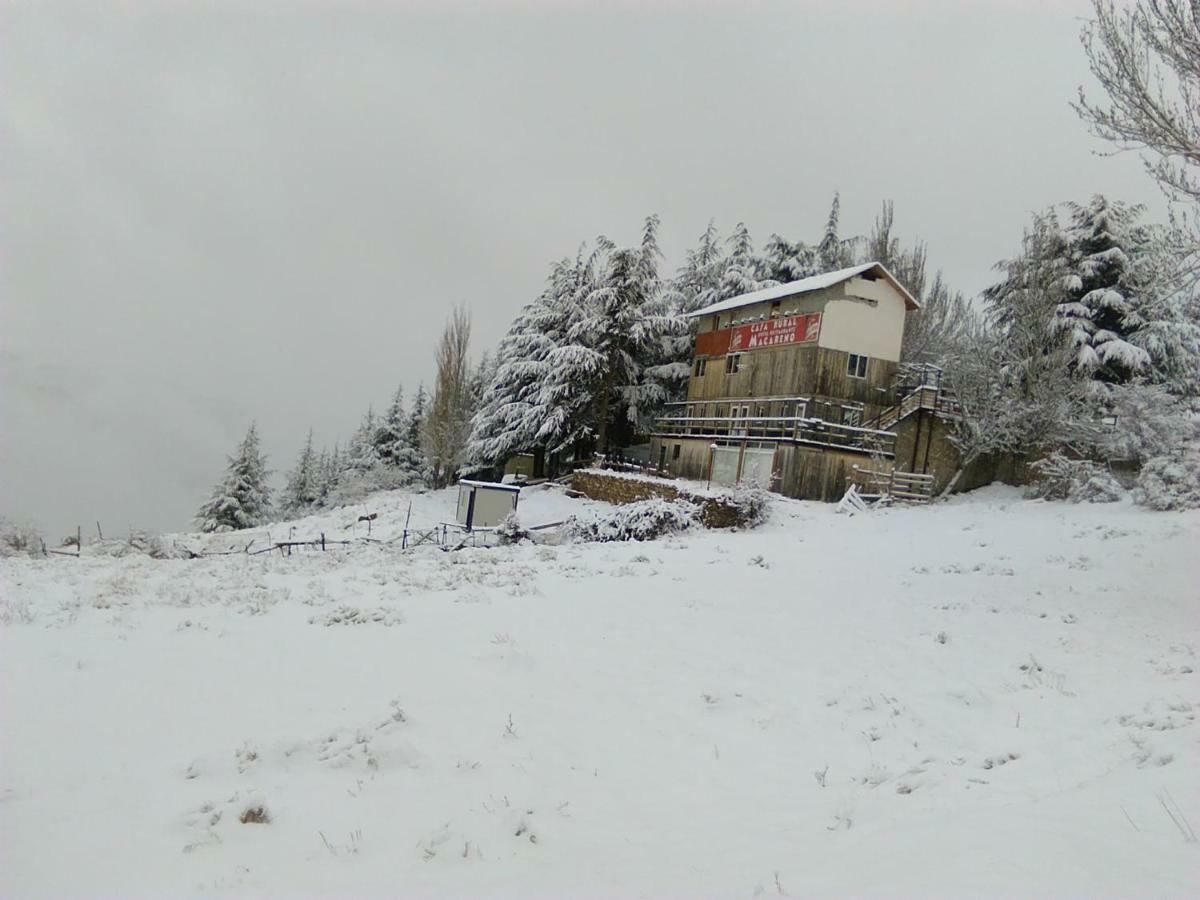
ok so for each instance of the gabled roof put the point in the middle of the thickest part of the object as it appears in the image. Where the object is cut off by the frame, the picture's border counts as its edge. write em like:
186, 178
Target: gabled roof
807, 285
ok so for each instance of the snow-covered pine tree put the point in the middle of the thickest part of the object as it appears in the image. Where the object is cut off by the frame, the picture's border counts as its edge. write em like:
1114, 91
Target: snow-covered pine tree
834, 252
303, 489
408, 460
1170, 310
1114, 288
517, 411
416, 415
783, 261
330, 474
481, 377
741, 273
414, 459
391, 430
620, 332
360, 452
696, 284
1104, 287
242, 498
698, 281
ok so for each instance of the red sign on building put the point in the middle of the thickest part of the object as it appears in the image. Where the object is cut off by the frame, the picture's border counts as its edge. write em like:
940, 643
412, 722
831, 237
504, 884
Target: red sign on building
775, 333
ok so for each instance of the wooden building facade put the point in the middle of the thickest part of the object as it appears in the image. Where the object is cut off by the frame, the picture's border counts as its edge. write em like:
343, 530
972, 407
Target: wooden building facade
794, 386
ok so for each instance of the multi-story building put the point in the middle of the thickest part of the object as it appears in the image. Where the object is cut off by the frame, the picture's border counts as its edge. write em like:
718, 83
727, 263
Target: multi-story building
794, 386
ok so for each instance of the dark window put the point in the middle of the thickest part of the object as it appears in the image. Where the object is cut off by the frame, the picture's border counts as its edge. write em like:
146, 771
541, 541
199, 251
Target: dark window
701, 366
733, 363
675, 452
775, 309
856, 366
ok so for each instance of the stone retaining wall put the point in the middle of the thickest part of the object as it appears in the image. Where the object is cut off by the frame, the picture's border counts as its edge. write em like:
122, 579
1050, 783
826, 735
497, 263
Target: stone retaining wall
612, 487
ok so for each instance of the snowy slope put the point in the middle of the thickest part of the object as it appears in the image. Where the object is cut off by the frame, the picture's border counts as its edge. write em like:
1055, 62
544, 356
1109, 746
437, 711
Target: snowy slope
987, 697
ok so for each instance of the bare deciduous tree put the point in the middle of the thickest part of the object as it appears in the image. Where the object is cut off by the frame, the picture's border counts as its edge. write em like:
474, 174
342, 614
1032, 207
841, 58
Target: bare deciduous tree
1147, 59
448, 424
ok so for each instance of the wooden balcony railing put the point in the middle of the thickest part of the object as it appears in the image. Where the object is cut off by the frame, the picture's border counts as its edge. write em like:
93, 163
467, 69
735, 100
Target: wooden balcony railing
797, 429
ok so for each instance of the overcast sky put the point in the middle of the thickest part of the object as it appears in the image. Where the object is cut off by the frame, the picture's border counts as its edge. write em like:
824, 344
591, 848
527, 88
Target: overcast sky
220, 212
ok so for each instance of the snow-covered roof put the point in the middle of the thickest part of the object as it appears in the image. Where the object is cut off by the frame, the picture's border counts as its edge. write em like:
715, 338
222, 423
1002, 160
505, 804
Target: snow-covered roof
807, 285
491, 485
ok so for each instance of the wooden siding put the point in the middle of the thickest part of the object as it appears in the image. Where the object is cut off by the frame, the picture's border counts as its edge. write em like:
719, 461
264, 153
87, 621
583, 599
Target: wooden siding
796, 370
807, 473
812, 474
693, 456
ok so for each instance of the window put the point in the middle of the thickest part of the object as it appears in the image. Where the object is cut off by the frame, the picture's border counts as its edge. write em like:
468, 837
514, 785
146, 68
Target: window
733, 363
856, 366
775, 308
675, 452
701, 366
851, 416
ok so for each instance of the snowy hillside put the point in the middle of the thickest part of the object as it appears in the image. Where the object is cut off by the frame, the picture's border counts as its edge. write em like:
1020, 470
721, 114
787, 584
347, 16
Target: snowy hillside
987, 697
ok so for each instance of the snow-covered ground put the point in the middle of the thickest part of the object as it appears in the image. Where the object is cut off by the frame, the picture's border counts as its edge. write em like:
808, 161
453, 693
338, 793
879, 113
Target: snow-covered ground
987, 697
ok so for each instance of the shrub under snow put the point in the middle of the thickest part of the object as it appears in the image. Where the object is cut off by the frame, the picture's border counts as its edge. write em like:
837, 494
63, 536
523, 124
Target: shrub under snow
750, 502
1170, 482
641, 521
1077, 480
509, 531
16, 539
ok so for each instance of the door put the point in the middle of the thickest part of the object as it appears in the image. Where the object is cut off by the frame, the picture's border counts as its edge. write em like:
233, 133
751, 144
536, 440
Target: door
758, 466
725, 465
737, 426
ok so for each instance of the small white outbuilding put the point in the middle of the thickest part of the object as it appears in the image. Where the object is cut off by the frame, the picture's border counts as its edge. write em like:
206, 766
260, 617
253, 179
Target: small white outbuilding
484, 504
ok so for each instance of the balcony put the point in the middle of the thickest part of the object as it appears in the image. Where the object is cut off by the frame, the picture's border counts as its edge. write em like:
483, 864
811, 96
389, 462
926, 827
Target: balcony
793, 429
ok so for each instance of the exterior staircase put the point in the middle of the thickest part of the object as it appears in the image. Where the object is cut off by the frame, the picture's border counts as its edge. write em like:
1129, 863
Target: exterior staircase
919, 388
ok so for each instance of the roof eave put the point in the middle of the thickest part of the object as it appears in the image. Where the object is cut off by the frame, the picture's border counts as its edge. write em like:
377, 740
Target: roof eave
910, 302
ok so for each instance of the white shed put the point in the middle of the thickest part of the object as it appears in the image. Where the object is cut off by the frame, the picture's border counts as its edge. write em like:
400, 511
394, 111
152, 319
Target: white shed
484, 504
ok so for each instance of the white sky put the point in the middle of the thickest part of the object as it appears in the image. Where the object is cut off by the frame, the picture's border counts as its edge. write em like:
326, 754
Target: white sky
214, 213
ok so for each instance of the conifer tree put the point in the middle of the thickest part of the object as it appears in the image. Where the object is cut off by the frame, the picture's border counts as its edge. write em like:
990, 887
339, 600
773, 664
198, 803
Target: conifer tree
242, 497
1113, 304
619, 332
698, 281
330, 472
517, 410
392, 431
595, 352
783, 261
741, 273
303, 489
360, 452
833, 252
